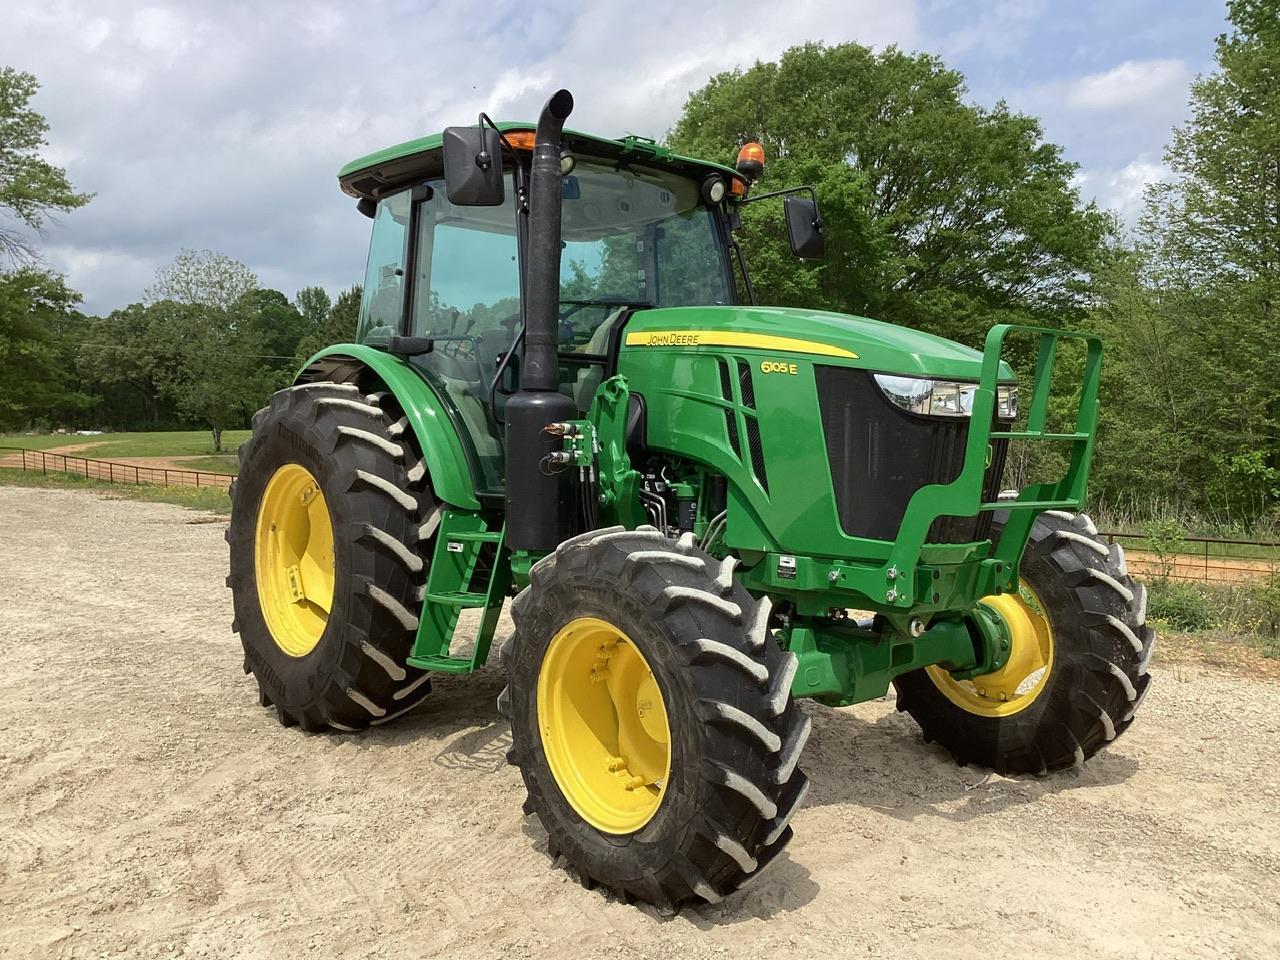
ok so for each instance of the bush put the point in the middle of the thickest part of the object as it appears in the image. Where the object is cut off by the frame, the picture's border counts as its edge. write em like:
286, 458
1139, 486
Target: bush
1182, 606
1265, 600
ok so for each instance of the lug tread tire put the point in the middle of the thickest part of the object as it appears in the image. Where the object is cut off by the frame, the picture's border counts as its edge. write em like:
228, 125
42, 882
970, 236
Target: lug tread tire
736, 732
356, 676
1102, 650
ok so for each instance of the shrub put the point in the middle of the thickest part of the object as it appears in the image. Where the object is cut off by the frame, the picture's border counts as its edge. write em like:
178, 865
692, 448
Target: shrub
1183, 606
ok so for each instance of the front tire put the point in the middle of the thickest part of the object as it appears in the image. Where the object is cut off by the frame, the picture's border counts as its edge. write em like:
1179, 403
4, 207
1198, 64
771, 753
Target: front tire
330, 529
710, 759
1097, 651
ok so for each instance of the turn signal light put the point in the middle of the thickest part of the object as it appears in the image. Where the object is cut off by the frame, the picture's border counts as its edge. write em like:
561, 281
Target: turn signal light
521, 139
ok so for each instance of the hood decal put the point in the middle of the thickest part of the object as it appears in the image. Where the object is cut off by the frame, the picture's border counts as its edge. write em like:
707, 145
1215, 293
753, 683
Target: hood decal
729, 338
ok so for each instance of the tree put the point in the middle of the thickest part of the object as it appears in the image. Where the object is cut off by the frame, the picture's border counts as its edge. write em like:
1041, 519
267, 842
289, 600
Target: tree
314, 304
278, 324
1213, 239
940, 214
31, 189
202, 278
212, 356
339, 325
212, 370
121, 351
35, 307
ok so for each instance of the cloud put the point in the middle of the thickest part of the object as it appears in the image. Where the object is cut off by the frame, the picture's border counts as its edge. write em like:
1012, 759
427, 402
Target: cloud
223, 125
1132, 83
1123, 189
993, 29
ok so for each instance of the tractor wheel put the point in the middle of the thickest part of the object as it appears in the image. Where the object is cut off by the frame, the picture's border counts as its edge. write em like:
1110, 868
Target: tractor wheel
1077, 669
330, 530
652, 718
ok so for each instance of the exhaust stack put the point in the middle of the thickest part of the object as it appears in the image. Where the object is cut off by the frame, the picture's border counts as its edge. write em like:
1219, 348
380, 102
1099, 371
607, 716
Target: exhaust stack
538, 498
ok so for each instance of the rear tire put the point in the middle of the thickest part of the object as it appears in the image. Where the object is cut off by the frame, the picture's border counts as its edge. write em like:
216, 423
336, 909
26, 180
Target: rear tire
1098, 676
382, 517
735, 734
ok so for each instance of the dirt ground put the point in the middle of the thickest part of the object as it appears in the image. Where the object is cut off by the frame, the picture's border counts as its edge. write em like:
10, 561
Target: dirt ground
149, 808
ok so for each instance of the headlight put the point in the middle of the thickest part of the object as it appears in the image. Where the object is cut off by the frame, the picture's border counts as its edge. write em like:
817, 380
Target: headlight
944, 398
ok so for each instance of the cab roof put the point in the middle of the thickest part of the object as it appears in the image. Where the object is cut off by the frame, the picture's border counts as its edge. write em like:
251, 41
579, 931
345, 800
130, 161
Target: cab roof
378, 173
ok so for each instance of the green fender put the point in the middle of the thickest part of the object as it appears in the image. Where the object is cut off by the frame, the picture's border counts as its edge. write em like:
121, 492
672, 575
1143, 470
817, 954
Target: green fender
447, 462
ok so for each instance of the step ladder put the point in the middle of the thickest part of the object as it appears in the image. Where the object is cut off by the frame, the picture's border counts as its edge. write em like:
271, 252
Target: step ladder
469, 571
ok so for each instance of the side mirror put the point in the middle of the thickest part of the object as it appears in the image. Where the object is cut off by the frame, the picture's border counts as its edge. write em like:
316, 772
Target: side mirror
473, 166
804, 228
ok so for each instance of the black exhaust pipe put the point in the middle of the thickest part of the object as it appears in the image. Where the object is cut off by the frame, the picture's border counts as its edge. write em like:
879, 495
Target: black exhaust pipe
538, 498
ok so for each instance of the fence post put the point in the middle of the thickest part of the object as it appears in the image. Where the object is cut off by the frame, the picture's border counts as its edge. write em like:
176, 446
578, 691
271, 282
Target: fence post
197, 478
43, 471
1206, 560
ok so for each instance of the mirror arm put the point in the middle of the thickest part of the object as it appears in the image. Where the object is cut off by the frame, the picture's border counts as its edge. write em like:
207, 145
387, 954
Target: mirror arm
741, 257
781, 193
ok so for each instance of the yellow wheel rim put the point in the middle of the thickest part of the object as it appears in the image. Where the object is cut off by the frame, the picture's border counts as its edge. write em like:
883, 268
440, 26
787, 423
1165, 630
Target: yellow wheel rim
1017, 684
293, 559
603, 725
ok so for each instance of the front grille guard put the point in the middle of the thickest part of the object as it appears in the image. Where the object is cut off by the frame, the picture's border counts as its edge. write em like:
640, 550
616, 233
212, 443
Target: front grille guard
961, 496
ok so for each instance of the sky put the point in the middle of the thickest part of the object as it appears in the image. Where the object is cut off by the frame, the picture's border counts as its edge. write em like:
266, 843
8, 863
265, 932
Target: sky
221, 124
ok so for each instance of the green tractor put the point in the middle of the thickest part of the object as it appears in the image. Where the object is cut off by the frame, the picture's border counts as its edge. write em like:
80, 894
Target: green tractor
705, 509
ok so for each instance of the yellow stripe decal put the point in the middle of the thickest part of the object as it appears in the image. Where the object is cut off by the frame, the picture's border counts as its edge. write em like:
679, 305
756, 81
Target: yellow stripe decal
749, 341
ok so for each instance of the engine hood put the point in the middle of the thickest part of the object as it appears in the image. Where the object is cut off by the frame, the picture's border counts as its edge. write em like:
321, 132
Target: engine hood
819, 335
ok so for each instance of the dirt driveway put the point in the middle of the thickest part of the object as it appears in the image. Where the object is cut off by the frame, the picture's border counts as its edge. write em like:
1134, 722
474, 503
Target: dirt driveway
149, 808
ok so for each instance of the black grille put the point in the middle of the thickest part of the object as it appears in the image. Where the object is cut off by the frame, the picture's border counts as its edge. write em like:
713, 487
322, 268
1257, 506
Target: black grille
730, 418
757, 452
880, 455
746, 386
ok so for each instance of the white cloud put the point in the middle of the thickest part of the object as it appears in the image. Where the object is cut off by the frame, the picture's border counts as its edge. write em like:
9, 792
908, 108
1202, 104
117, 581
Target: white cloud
1123, 189
1132, 83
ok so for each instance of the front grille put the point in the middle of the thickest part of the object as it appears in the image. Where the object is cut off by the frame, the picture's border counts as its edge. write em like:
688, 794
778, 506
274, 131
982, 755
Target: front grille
880, 455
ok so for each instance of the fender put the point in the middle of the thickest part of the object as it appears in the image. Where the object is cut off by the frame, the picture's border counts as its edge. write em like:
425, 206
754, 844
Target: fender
447, 462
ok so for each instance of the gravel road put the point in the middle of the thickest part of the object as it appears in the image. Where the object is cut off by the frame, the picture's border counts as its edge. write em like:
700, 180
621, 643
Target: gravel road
149, 808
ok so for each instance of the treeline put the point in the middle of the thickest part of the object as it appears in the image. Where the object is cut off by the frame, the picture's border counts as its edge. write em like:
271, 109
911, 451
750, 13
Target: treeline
204, 348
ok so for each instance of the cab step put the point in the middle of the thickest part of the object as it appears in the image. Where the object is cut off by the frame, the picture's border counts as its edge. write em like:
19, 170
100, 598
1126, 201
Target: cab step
442, 664
469, 570
459, 598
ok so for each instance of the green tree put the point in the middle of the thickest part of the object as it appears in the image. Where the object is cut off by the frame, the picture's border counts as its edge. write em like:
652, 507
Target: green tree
35, 310
1213, 239
210, 366
339, 325
278, 324
31, 188
207, 337
941, 214
120, 352
314, 304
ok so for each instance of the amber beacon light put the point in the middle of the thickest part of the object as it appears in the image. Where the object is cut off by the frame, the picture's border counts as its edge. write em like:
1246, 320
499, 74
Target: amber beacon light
751, 161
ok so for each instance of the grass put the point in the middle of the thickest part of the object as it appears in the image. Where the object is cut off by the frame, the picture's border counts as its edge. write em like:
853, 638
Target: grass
168, 443
195, 498
219, 463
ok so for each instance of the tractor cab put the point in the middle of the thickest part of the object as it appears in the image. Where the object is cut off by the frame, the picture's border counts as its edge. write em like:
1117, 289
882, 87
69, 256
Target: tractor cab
640, 228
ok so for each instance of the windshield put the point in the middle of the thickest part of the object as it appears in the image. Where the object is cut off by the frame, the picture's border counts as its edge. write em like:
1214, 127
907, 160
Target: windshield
633, 236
